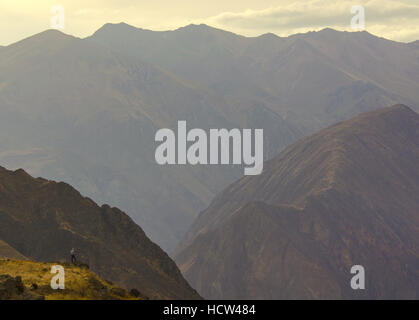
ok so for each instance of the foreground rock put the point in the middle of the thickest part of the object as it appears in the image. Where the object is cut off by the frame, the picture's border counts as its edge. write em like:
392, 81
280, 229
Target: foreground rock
13, 289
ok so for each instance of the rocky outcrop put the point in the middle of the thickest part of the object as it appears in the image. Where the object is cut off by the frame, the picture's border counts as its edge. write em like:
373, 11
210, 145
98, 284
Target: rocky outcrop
13, 289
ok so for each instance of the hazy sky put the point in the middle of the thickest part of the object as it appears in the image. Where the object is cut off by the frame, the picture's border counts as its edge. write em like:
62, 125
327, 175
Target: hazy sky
393, 19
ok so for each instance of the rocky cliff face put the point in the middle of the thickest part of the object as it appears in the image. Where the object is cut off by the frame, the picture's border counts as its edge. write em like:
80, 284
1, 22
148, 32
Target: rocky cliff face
13, 289
345, 196
43, 220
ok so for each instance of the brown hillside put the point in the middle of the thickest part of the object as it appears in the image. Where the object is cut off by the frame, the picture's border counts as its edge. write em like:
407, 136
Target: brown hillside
344, 196
43, 220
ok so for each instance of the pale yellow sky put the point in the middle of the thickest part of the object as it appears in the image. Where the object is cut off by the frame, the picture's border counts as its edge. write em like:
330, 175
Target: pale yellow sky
392, 19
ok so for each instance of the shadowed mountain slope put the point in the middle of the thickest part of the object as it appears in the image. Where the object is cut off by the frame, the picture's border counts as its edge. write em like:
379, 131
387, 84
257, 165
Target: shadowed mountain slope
43, 220
6, 251
342, 197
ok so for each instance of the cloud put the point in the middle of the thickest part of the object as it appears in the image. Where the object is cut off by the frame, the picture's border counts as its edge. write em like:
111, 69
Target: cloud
398, 20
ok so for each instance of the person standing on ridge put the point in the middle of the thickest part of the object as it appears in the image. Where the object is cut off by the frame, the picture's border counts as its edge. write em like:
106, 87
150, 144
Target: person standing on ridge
73, 255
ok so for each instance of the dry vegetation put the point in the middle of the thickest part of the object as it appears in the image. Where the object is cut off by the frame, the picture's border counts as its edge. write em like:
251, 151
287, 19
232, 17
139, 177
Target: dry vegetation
80, 282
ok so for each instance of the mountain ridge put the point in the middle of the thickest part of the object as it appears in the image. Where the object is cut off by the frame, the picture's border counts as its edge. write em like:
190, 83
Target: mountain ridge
346, 195
203, 26
334, 152
44, 219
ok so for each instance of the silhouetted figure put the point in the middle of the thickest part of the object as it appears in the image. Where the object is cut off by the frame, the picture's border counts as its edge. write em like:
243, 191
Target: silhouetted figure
73, 256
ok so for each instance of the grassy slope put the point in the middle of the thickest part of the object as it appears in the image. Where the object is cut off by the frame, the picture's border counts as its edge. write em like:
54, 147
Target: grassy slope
80, 282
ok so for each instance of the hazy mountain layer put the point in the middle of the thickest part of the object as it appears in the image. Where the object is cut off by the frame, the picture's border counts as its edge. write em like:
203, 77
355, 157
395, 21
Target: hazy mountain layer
312, 80
76, 111
86, 111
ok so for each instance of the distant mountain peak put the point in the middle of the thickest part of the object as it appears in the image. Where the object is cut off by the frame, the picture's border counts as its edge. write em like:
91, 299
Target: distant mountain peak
269, 35
197, 26
50, 36
328, 29
334, 33
116, 29
204, 28
120, 25
124, 27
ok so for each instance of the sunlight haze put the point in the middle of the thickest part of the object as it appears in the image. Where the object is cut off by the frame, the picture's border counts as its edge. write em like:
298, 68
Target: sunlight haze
395, 20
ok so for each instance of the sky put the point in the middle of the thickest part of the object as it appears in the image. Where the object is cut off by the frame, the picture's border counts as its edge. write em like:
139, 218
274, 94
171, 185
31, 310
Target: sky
392, 19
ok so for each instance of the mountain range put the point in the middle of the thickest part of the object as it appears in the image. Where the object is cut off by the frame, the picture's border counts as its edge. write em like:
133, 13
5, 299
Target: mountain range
85, 111
345, 196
